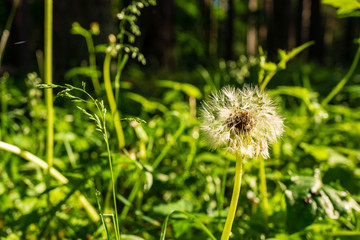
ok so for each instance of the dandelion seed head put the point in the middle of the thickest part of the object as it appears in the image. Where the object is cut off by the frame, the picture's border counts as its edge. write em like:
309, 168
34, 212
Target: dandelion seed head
245, 121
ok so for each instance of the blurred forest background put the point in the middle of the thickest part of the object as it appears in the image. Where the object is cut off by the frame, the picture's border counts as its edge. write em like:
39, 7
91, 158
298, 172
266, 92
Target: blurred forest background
178, 35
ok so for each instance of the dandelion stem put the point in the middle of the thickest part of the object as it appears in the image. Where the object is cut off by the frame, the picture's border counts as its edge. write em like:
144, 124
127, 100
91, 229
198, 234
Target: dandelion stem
263, 191
234, 199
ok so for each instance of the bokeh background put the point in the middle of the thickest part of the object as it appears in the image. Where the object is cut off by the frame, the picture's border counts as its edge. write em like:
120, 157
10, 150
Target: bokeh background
178, 35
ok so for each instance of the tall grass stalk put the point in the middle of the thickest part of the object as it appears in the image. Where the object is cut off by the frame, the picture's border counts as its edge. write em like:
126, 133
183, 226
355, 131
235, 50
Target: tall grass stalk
117, 230
48, 50
121, 61
100, 120
169, 145
6, 33
234, 199
112, 102
4, 100
121, 64
92, 63
98, 194
88, 34
263, 191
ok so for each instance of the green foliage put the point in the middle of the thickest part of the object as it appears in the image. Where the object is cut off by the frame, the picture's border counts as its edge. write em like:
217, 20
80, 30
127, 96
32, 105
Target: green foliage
165, 182
345, 8
308, 199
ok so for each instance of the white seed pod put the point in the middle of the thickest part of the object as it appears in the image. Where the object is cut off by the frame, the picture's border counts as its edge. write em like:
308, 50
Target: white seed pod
245, 121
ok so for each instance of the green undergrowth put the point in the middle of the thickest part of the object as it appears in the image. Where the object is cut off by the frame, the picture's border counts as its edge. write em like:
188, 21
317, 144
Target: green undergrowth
162, 182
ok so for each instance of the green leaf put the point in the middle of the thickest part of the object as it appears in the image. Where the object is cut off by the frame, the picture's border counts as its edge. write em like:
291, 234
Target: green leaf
130, 237
137, 119
190, 216
305, 204
85, 71
148, 105
166, 209
187, 88
345, 8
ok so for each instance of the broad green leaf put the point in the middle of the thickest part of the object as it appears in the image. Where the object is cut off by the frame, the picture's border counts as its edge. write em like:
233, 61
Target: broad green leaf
166, 209
187, 88
345, 8
308, 199
197, 222
148, 105
84, 71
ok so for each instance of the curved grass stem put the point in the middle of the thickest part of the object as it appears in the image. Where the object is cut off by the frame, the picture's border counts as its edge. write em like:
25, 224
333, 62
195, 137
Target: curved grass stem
112, 102
6, 33
92, 63
263, 191
344, 80
234, 199
116, 221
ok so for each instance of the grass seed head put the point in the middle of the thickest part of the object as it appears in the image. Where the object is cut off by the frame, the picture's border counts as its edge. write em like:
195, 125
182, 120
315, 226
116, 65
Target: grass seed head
246, 121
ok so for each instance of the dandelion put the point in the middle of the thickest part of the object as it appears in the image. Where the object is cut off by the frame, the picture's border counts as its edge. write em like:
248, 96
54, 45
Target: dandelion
244, 121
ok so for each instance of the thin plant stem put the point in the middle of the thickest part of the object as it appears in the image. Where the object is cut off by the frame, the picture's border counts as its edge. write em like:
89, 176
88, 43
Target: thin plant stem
234, 199
223, 185
267, 80
263, 191
6, 33
4, 104
131, 198
121, 64
48, 50
102, 112
169, 145
344, 80
112, 102
92, 62
98, 194
117, 230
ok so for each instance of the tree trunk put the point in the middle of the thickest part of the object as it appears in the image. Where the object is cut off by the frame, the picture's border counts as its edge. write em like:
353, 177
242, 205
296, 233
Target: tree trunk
316, 31
230, 31
252, 34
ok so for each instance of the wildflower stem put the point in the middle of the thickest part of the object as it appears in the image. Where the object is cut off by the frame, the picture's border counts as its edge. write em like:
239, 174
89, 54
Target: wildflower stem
344, 80
6, 33
121, 64
48, 71
234, 199
92, 62
263, 191
112, 103
116, 222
